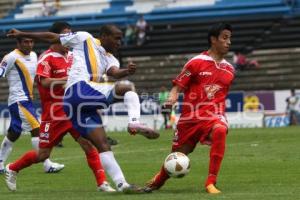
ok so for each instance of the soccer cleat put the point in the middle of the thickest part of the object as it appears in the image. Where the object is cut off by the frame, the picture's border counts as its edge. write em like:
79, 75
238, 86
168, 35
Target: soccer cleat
105, 187
142, 129
129, 189
211, 189
153, 185
11, 179
54, 168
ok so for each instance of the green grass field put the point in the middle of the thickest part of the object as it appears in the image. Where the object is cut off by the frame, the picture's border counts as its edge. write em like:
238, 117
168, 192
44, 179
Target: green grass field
260, 164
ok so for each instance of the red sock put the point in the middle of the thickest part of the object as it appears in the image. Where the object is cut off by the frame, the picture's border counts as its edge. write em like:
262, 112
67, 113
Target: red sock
94, 162
217, 151
160, 178
26, 160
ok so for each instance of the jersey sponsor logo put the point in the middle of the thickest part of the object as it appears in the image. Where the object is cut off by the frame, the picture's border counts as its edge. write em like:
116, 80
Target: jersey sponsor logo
211, 90
205, 73
186, 73
59, 71
44, 135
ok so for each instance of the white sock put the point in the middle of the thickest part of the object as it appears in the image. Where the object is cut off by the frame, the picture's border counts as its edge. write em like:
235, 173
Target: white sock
112, 168
35, 144
5, 150
132, 102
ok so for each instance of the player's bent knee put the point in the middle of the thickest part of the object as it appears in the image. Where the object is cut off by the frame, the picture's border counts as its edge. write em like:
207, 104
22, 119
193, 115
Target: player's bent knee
122, 87
13, 136
104, 146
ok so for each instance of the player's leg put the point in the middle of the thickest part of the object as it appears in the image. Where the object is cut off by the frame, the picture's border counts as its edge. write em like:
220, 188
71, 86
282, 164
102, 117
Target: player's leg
162, 176
98, 137
49, 166
31, 123
93, 160
29, 158
125, 90
217, 150
6, 148
13, 133
185, 140
81, 102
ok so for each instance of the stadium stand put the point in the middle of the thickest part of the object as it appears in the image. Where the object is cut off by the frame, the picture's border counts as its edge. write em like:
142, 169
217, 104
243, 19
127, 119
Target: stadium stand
279, 70
7, 6
68, 7
145, 6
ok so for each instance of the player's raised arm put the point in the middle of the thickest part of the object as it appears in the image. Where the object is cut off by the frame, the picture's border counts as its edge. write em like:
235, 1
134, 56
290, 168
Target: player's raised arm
42, 36
120, 73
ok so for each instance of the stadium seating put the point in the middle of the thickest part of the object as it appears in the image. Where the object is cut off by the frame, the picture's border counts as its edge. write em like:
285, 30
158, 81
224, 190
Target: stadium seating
279, 69
145, 6
183, 37
7, 6
68, 7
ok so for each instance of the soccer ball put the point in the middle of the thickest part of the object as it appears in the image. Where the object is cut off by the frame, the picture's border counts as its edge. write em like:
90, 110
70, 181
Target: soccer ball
177, 164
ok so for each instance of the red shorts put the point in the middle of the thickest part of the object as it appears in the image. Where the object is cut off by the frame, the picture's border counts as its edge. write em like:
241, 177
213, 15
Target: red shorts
193, 132
52, 132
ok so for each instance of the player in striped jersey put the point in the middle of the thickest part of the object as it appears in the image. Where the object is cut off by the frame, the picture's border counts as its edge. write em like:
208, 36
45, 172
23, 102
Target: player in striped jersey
19, 67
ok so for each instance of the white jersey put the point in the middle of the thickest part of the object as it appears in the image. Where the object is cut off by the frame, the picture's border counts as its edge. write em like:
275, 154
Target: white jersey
20, 71
90, 61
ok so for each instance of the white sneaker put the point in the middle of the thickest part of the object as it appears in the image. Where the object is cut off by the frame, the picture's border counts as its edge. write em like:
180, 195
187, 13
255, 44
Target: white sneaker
11, 178
54, 168
105, 187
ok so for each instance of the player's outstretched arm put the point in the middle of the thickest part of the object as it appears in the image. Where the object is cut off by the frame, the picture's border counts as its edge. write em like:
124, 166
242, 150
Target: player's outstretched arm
42, 36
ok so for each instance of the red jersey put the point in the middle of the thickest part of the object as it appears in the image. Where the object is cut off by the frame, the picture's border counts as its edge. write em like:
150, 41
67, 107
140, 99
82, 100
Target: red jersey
206, 85
52, 64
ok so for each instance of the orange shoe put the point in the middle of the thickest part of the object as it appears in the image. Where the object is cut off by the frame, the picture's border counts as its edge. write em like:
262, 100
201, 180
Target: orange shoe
211, 189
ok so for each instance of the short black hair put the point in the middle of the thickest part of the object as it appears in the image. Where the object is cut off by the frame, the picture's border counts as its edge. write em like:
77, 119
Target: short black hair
216, 29
20, 39
59, 26
106, 29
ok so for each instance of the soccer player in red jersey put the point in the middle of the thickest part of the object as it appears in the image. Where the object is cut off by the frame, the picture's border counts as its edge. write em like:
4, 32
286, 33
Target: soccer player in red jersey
51, 76
205, 82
